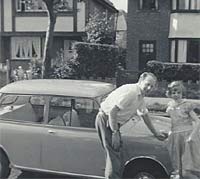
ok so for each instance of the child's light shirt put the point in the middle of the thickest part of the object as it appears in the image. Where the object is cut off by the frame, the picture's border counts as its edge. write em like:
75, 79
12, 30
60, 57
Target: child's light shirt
129, 99
179, 113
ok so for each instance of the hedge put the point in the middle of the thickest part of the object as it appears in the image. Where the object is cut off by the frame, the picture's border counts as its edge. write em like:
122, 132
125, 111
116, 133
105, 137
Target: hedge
97, 60
174, 71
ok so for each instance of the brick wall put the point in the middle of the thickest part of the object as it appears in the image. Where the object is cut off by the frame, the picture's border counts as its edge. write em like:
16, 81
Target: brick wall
147, 25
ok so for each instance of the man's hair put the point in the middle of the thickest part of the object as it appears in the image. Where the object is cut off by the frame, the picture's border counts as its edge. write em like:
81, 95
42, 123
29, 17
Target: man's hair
146, 74
174, 85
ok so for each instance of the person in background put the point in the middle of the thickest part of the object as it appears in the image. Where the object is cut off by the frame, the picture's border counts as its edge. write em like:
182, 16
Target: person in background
71, 117
120, 106
184, 140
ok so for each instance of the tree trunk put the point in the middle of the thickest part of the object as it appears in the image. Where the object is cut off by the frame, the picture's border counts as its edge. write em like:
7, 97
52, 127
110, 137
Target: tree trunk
47, 55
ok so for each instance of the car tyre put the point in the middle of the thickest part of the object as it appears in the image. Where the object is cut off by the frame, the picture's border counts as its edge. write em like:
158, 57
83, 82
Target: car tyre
4, 166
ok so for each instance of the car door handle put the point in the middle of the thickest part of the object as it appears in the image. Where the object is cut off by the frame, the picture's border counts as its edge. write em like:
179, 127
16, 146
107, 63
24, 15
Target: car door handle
51, 131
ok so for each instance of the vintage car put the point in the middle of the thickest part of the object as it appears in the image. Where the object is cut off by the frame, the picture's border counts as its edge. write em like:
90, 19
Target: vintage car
30, 141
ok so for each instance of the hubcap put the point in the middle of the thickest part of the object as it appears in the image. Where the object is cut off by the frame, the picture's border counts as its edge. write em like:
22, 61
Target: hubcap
144, 175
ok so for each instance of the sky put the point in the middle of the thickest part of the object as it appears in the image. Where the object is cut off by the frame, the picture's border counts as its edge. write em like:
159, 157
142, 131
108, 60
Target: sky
120, 4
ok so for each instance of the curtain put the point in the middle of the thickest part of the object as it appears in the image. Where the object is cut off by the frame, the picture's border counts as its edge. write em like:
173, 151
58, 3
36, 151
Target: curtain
182, 50
36, 46
174, 4
141, 4
173, 42
195, 4
25, 47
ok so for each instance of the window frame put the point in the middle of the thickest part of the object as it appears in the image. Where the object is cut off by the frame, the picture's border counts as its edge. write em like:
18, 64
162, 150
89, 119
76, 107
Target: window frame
176, 46
42, 12
16, 39
94, 107
27, 101
141, 8
177, 8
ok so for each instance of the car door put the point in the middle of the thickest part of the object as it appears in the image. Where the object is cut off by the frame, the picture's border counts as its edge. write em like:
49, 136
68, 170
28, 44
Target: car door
72, 149
21, 131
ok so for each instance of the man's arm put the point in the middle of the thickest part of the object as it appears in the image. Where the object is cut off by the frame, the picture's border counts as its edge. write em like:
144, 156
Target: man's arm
113, 118
151, 127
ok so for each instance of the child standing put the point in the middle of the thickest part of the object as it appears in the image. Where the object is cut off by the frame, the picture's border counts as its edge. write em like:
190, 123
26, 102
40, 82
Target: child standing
184, 141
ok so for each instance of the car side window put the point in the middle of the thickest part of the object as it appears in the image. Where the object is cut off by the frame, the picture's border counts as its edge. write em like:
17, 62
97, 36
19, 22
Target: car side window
18, 108
87, 109
62, 112
74, 112
8, 99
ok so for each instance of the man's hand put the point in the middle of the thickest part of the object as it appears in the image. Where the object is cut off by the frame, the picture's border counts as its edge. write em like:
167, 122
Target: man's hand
161, 135
116, 140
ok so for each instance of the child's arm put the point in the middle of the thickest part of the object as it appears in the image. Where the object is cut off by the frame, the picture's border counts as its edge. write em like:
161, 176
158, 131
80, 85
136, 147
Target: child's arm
197, 125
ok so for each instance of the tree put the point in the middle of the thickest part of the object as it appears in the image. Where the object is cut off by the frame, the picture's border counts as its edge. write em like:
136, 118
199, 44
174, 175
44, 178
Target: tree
53, 7
100, 28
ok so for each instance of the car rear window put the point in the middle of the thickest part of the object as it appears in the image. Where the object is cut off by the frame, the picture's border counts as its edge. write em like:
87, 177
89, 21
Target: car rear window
8, 99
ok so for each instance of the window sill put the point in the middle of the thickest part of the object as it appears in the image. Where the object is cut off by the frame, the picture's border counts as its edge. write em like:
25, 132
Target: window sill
41, 14
148, 11
185, 11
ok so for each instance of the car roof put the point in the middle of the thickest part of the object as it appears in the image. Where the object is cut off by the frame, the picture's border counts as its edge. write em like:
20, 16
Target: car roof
75, 88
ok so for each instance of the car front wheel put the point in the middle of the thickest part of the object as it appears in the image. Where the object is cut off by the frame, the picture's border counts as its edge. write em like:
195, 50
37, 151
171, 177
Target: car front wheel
4, 166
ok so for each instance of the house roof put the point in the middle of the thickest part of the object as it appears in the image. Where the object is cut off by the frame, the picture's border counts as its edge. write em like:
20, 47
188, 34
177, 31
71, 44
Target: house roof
75, 88
108, 3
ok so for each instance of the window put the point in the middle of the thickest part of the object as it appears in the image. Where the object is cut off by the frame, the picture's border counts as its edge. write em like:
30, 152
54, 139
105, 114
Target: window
74, 112
186, 5
26, 47
39, 5
185, 51
68, 49
193, 51
30, 5
148, 4
148, 48
18, 108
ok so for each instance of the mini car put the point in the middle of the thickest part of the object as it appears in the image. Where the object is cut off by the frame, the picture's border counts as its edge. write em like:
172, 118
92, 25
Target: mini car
49, 126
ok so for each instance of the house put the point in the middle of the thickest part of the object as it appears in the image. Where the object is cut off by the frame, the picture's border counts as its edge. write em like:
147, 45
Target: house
121, 31
166, 30
23, 25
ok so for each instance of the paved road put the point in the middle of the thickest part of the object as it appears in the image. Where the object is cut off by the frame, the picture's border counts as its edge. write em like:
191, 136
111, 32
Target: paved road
17, 174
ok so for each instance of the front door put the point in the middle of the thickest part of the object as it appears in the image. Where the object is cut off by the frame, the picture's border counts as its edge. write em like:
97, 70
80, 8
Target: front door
147, 51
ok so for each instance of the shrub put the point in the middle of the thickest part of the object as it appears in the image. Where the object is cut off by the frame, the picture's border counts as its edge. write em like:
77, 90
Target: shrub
62, 68
97, 60
174, 71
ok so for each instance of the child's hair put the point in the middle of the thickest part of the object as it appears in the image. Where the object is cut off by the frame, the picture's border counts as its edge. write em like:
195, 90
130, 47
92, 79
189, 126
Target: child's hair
174, 84
146, 74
